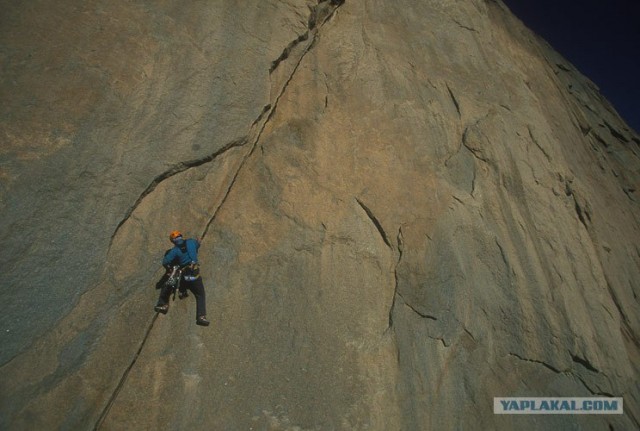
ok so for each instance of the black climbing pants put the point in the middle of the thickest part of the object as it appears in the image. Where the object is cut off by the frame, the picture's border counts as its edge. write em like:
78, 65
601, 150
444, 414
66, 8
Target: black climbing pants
196, 287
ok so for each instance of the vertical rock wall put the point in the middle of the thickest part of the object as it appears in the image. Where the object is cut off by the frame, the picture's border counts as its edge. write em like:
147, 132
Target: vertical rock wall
407, 208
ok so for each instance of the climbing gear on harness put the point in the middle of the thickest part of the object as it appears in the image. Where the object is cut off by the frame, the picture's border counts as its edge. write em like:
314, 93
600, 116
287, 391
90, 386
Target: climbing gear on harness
174, 277
173, 281
191, 272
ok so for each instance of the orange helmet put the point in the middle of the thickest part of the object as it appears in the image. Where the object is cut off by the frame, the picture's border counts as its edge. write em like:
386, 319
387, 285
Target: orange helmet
173, 235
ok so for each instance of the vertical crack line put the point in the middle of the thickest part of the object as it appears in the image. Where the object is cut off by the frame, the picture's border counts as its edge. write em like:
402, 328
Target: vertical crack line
124, 377
183, 166
375, 222
312, 27
395, 277
397, 294
393, 304
269, 111
473, 181
174, 170
314, 32
226, 195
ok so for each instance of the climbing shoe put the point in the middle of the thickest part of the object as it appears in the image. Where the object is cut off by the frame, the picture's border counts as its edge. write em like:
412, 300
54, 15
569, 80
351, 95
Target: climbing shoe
202, 321
162, 308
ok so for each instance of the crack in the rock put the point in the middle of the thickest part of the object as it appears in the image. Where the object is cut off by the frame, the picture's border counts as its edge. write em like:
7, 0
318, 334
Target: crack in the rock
464, 328
576, 359
453, 154
400, 247
455, 101
262, 114
601, 140
397, 294
588, 388
174, 170
285, 53
535, 361
584, 362
315, 16
535, 141
415, 310
475, 173
615, 133
464, 145
626, 325
442, 340
626, 329
393, 305
271, 109
314, 31
226, 195
457, 199
316, 12
395, 277
503, 254
375, 222
476, 152
629, 190
586, 129
183, 166
124, 377
473, 182
581, 210
464, 26
581, 213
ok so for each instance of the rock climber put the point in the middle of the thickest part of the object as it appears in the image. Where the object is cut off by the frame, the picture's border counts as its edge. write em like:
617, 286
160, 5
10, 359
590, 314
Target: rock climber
184, 254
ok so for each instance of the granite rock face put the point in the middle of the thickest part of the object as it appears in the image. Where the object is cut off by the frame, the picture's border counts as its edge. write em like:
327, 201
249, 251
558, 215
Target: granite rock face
406, 209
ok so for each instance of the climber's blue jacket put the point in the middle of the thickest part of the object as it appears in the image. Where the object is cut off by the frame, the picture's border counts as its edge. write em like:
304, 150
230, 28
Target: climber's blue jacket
183, 253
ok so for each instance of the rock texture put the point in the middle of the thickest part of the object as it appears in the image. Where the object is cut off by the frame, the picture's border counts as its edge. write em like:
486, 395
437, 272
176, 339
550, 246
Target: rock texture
407, 208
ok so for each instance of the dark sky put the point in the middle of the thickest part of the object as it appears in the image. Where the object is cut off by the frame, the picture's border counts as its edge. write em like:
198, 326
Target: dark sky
601, 38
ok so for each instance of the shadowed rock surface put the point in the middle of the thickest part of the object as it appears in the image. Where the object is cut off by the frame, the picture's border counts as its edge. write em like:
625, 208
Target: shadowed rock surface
407, 208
